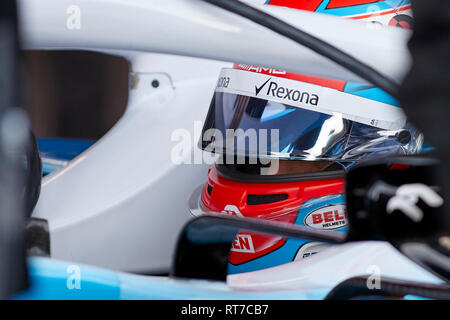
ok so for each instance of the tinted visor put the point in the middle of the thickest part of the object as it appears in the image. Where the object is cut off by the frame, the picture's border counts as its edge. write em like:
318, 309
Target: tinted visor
283, 118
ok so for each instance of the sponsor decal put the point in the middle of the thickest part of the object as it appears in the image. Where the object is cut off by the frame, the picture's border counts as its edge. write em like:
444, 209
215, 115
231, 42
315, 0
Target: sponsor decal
311, 97
258, 89
223, 82
261, 69
243, 243
278, 91
402, 21
309, 249
232, 210
327, 218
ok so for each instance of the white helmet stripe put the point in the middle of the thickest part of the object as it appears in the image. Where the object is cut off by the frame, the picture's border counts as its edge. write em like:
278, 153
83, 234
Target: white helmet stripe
311, 97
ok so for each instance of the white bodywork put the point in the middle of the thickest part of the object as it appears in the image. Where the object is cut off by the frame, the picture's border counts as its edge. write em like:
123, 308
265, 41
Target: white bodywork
122, 202
374, 259
310, 278
195, 28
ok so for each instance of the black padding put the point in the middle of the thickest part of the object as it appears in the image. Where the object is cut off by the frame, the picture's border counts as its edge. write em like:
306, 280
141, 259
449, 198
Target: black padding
255, 199
210, 189
37, 238
252, 173
399, 200
33, 177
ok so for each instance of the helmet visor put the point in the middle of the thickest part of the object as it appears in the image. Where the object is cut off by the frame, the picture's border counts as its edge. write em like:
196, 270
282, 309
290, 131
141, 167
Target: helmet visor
260, 115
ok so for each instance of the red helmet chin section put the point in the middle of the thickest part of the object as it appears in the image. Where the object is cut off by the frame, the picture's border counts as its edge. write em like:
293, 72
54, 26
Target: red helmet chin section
275, 201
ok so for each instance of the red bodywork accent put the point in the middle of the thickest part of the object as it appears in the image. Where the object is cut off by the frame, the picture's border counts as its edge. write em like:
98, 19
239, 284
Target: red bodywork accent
309, 5
312, 5
228, 192
334, 4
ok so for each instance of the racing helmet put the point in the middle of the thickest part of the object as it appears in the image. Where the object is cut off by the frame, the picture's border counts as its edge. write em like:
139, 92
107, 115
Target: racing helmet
315, 127
265, 112
300, 192
308, 117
